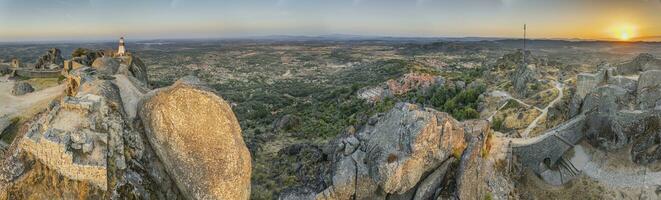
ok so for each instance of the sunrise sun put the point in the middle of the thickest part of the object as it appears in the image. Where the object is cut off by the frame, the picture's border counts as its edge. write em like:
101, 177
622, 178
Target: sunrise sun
624, 36
624, 33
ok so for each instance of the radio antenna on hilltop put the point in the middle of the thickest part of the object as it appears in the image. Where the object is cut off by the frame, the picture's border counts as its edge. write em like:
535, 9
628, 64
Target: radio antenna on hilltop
524, 45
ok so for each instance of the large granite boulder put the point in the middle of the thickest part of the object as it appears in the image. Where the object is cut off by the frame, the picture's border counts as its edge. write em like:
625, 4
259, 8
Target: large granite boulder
198, 138
649, 89
646, 146
21, 88
53, 57
138, 69
106, 65
391, 156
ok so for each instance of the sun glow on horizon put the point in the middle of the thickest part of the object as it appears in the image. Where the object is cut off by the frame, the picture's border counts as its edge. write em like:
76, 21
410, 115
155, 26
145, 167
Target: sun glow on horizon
624, 32
624, 36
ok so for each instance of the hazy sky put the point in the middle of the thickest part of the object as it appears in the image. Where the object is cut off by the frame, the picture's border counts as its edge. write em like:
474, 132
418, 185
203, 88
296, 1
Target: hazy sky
106, 19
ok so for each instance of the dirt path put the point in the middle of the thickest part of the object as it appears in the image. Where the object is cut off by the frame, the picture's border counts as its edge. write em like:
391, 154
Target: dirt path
535, 122
507, 96
632, 175
12, 106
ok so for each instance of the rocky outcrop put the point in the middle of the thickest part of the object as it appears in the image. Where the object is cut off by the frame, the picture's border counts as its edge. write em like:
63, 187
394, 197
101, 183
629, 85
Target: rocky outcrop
53, 59
5, 69
106, 65
403, 85
642, 62
286, 122
92, 143
198, 138
413, 81
21, 88
132, 66
84, 145
621, 104
646, 146
649, 90
392, 157
522, 77
472, 174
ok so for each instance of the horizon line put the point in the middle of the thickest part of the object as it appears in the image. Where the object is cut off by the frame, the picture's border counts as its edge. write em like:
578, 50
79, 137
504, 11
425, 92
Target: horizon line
641, 39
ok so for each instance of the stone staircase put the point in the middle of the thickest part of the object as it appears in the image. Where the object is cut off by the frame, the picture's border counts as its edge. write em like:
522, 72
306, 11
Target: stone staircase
566, 168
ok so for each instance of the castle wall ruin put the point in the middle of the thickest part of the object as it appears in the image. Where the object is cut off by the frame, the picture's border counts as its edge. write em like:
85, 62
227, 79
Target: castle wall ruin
586, 82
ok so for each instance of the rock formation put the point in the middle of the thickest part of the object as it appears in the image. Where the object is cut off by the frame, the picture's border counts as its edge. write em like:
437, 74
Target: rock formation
522, 77
620, 102
196, 135
286, 122
89, 144
409, 82
106, 65
406, 154
4, 69
52, 60
21, 88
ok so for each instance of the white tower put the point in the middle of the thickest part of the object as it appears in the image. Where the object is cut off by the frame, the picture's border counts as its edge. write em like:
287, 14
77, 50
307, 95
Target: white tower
121, 51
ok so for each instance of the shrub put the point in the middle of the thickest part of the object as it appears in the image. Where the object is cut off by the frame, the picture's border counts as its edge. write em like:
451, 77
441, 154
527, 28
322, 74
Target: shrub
498, 123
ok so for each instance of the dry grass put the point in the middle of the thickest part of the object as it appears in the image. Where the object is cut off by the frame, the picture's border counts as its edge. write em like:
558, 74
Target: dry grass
43, 83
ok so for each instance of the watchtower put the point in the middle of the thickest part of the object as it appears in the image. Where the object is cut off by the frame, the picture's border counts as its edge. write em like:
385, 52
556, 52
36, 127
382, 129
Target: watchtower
15, 63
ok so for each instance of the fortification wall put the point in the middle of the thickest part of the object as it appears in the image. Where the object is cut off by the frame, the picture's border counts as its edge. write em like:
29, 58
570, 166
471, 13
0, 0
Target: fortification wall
70, 65
55, 156
586, 82
551, 145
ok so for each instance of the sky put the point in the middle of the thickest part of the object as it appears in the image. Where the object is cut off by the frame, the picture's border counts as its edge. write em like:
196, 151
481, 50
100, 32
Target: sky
37, 20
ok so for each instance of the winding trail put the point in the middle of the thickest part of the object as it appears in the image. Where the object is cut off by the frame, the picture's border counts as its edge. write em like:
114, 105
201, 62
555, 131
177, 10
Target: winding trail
534, 123
507, 96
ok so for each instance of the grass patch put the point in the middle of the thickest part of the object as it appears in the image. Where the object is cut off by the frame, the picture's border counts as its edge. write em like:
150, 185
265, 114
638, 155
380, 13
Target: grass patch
43, 83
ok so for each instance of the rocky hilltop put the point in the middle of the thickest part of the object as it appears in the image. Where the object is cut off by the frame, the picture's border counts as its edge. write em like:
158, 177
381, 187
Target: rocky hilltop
109, 136
623, 103
410, 153
460, 130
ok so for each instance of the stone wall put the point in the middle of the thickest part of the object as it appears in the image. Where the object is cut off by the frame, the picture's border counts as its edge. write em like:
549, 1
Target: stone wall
76, 153
551, 145
70, 65
38, 74
586, 82
54, 154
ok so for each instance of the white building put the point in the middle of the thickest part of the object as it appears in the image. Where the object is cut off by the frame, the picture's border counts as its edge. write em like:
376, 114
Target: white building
121, 51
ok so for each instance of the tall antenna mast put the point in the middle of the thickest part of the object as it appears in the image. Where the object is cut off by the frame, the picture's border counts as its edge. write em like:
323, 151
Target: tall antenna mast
524, 45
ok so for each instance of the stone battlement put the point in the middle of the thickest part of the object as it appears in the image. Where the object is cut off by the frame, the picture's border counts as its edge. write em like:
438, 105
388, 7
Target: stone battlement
54, 155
